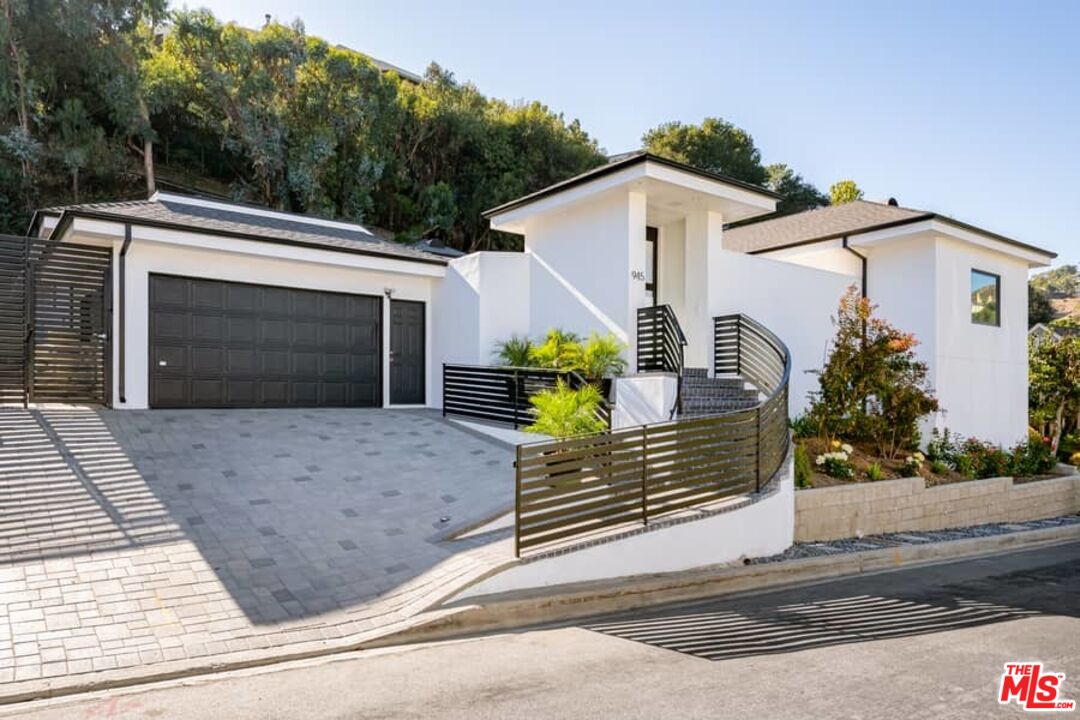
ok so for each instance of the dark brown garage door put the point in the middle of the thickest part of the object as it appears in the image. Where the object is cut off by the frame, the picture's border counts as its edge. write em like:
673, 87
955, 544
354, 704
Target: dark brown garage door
224, 344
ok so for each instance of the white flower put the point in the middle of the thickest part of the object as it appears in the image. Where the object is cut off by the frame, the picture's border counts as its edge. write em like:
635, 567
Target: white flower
847, 448
820, 460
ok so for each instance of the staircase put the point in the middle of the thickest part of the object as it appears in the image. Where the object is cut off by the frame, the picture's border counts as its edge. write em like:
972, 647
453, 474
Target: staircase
703, 395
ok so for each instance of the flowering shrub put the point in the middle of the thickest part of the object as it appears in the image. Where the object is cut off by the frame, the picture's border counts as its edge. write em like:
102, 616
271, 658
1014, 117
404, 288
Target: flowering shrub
835, 464
1075, 459
872, 387
913, 463
1032, 457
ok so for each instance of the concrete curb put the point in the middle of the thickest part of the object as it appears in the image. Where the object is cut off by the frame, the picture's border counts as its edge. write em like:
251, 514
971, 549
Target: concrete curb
566, 602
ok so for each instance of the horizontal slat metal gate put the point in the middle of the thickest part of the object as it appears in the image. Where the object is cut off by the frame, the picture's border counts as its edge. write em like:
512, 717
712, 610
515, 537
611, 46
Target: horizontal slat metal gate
55, 321
69, 320
13, 327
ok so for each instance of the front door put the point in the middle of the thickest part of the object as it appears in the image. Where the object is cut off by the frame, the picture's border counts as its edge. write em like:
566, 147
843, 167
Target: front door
652, 246
407, 361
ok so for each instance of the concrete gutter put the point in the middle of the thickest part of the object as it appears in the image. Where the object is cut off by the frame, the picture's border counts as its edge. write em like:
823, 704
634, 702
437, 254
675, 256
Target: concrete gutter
556, 604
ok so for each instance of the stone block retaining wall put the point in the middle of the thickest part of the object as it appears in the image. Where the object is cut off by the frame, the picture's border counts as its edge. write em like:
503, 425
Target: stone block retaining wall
906, 504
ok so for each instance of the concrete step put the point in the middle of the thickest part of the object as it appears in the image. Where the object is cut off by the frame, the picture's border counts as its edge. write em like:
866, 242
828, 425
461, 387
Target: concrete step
695, 372
727, 382
718, 391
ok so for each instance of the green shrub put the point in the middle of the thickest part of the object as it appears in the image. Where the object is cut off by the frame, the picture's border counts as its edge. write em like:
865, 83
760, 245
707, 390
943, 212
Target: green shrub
600, 357
874, 472
913, 463
873, 387
986, 460
515, 352
1032, 457
558, 351
803, 468
939, 467
836, 464
942, 447
803, 426
563, 412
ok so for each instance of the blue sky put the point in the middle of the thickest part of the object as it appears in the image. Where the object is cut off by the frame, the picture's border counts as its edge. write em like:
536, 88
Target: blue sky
971, 109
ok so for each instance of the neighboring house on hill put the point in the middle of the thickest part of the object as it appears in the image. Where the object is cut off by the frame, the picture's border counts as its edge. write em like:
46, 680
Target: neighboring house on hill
1040, 333
216, 304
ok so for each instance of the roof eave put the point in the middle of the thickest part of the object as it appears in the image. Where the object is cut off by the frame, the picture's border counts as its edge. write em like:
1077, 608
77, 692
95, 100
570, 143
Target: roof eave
906, 221
67, 216
603, 170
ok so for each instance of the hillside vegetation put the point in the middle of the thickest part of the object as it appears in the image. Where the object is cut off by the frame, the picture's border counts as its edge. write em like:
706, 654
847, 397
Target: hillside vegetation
106, 100
1054, 299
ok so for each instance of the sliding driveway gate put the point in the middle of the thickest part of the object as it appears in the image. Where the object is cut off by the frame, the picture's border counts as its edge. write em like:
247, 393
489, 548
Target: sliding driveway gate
55, 321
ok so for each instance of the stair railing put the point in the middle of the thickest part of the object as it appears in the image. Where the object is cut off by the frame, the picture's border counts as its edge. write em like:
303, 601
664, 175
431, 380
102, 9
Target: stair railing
661, 345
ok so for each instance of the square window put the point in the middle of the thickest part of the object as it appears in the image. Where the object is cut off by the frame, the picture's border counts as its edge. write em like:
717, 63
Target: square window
985, 298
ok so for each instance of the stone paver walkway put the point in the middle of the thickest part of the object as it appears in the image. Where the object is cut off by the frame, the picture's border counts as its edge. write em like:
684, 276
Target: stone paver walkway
136, 537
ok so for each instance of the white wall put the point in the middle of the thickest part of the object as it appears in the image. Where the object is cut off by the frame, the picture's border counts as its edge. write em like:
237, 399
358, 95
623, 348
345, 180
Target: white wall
644, 399
981, 371
758, 530
581, 267
829, 256
793, 301
483, 300
672, 257
244, 261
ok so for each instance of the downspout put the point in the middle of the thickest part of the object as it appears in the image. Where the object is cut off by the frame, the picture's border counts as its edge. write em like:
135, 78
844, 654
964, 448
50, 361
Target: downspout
862, 261
123, 312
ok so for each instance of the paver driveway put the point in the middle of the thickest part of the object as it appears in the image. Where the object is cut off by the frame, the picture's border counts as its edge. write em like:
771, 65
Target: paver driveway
133, 537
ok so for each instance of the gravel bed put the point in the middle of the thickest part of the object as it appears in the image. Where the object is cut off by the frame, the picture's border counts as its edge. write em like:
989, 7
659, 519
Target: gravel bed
888, 540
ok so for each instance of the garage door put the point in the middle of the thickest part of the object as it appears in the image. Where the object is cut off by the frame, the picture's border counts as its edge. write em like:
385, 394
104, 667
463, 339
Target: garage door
225, 344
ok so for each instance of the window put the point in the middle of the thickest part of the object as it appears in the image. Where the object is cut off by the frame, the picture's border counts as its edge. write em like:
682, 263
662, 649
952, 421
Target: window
985, 298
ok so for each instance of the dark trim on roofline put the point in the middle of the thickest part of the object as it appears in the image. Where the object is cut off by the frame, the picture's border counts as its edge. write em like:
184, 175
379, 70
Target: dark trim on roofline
862, 262
906, 221
67, 216
35, 219
603, 170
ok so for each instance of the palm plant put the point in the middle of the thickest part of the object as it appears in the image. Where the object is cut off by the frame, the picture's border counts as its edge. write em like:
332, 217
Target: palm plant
558, 351
562, 412
600, 357
515, 351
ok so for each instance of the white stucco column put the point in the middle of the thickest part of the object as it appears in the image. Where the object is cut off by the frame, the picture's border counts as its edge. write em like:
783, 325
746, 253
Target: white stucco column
636, 297
703, 245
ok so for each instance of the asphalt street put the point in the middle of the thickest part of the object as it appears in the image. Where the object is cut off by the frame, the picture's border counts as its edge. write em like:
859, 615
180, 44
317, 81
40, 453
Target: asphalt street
925, 642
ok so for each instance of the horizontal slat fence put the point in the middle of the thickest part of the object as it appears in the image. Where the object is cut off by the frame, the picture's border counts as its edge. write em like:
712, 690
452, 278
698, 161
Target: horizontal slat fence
501, 394
570, 488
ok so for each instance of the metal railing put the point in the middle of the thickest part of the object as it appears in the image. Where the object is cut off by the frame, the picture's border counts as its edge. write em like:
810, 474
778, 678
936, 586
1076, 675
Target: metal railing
660, 340
501, 394
574, 487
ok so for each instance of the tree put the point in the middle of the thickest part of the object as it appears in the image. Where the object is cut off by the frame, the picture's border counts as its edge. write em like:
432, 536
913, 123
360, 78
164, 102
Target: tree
1063, 281
797, 194
1054, 385
715, 145
872, 387
1039, 308
844, 191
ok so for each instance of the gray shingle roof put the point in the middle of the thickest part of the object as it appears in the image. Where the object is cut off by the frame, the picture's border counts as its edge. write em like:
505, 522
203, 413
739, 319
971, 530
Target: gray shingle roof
823, 222
238, 221
837, 221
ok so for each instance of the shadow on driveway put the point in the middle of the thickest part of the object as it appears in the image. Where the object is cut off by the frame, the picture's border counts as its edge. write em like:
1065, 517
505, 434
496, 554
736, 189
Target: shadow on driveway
298, 512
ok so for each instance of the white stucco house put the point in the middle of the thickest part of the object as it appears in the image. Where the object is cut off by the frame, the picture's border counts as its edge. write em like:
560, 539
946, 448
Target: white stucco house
217, 304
